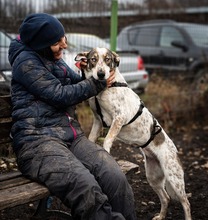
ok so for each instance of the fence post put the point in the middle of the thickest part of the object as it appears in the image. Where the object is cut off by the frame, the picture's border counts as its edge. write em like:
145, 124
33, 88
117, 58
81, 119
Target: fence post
114, 24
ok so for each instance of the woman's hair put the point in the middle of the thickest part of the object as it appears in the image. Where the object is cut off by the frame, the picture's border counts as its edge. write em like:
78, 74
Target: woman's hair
46, 53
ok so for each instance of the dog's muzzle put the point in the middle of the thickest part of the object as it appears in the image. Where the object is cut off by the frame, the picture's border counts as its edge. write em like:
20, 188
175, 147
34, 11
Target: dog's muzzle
101, 75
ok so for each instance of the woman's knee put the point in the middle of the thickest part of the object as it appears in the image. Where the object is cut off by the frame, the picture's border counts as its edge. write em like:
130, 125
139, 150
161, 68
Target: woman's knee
109, 172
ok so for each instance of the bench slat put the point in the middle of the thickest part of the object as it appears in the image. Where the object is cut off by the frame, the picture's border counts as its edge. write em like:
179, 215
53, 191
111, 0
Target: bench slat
22, 194
13, 182
10, 175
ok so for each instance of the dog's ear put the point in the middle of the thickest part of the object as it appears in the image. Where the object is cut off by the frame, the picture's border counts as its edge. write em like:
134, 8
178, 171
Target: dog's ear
116, 58
81, 56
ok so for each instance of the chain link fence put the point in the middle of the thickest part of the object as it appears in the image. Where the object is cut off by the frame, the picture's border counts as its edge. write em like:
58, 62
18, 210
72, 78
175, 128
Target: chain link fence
90, 16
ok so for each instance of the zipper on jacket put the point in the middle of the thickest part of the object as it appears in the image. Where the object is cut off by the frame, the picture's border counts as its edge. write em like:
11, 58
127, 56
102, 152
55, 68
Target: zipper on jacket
73, 129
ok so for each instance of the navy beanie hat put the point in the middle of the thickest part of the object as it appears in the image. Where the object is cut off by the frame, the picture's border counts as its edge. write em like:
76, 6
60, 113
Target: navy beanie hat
41, 30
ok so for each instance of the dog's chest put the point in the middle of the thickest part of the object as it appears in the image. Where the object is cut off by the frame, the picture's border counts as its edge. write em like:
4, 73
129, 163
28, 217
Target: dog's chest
117, 103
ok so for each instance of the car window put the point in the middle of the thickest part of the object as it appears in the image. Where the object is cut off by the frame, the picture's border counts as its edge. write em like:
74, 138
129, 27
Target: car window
4, 40
169, 34
82, 42
145, 36
198, 33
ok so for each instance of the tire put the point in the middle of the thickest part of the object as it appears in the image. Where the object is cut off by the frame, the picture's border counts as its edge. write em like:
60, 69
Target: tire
57, 215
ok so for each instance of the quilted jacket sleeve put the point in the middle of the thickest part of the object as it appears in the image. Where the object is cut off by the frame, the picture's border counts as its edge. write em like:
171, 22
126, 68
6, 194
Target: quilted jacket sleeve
39, 81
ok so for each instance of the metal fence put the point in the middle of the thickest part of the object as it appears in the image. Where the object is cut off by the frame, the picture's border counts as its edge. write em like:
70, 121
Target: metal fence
89, 16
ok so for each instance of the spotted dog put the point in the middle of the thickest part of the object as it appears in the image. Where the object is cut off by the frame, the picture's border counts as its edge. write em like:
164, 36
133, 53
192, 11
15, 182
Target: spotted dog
122, 110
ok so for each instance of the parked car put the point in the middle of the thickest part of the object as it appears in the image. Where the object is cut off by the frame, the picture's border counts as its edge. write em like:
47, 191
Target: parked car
5, 81
4, 47
81, 42
131, 65
169, 47
5, 67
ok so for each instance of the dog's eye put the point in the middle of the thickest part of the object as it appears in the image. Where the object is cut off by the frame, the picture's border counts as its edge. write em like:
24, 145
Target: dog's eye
93, 59
107, 59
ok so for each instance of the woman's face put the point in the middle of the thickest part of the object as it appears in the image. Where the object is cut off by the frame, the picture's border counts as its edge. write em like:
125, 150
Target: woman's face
58, 48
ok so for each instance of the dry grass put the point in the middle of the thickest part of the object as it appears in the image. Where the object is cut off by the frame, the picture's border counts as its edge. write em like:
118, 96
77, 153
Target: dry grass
175, 102
85, 116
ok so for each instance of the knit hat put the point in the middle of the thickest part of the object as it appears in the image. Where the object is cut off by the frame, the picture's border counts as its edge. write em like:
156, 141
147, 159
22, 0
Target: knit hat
41, 30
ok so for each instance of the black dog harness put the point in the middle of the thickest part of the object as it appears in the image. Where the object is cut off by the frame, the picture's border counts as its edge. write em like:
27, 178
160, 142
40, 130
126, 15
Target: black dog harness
156, 129
139, 112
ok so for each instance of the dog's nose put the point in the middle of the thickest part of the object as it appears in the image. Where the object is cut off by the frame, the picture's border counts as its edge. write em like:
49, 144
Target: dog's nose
101, 74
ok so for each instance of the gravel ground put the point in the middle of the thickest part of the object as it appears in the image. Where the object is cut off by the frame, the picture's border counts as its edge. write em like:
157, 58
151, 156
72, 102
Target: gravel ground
193, 150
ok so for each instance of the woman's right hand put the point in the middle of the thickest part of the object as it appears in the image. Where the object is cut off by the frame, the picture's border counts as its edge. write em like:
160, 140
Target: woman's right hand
83, 63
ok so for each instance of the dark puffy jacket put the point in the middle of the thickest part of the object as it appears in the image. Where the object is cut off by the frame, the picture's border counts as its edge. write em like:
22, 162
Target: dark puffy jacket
43, 96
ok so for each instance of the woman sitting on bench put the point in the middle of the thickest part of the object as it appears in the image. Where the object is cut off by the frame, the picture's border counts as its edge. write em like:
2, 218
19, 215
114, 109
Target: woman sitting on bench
50, 146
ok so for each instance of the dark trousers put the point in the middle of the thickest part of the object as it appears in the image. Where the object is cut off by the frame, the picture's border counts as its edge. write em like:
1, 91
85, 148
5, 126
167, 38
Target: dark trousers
84, 176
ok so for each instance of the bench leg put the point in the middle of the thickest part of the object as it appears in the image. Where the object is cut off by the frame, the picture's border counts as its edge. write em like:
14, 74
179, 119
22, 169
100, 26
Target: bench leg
41, 209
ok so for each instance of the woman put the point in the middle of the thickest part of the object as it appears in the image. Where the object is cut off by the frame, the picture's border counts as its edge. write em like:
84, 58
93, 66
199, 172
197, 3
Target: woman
50, 146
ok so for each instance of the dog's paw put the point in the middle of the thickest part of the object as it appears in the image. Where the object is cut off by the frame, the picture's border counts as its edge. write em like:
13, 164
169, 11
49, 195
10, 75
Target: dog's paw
107, 149
158, 217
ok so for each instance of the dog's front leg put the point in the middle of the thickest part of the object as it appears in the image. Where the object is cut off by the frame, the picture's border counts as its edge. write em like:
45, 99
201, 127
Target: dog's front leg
112, 133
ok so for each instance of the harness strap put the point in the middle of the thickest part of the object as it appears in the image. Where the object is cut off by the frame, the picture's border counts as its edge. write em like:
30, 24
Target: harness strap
139, 112
155, 130
115, 84
119, 84
99, 112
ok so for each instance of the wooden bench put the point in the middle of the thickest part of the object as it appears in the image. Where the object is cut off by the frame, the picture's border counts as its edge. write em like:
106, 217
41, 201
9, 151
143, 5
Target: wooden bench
15, 189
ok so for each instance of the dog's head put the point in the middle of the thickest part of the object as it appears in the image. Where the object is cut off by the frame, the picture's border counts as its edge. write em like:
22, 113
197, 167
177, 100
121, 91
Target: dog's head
100, 61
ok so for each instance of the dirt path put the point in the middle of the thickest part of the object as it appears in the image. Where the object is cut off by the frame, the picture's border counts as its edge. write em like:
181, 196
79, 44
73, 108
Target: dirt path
194, 156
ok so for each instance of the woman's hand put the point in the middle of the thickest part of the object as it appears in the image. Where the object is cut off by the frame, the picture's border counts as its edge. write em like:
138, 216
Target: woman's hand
111, 78
83, 63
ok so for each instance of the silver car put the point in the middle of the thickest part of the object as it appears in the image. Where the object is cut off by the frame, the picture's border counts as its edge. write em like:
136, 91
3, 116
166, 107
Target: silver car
4, 47
131, 64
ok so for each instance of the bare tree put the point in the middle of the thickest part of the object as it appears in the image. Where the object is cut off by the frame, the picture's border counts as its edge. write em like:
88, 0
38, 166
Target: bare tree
57, 6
